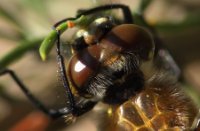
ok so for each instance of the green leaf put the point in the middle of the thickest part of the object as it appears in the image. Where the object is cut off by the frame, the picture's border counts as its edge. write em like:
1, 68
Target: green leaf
49, 41
47, 44
18, 52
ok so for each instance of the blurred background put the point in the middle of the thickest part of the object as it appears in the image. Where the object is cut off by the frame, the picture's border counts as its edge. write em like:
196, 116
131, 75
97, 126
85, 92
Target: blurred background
24, 23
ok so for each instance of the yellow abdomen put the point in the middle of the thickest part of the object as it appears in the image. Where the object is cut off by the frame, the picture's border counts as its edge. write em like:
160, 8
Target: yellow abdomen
155, 108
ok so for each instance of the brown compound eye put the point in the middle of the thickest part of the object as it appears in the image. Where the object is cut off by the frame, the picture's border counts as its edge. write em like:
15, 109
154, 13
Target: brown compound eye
84, 64
130, 37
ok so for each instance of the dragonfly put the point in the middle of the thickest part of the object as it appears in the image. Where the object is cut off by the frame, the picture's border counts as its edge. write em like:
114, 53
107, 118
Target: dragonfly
114, 61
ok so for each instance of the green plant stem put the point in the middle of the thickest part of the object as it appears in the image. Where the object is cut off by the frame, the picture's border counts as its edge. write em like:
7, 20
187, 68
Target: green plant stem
18, 52
49, 41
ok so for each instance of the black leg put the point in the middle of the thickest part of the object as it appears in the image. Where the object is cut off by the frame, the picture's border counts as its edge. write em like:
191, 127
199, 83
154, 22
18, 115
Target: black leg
61, 21
50, 112
76, 109
62, 69
81, 107
125, 10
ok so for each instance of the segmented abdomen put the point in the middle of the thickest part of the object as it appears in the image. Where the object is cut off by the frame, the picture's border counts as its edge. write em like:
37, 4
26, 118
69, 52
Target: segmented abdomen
156, 108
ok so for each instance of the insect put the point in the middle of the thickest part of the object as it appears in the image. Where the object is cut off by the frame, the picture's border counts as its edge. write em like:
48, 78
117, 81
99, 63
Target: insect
113, 62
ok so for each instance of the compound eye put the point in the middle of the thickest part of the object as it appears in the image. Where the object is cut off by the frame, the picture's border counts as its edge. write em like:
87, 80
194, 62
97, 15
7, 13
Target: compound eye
79, 71
130, 37
84, 65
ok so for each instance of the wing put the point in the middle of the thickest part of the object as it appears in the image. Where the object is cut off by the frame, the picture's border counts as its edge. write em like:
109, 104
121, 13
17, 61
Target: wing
161, 106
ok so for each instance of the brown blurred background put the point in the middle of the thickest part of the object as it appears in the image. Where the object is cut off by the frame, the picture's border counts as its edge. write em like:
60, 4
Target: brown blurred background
177, 21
